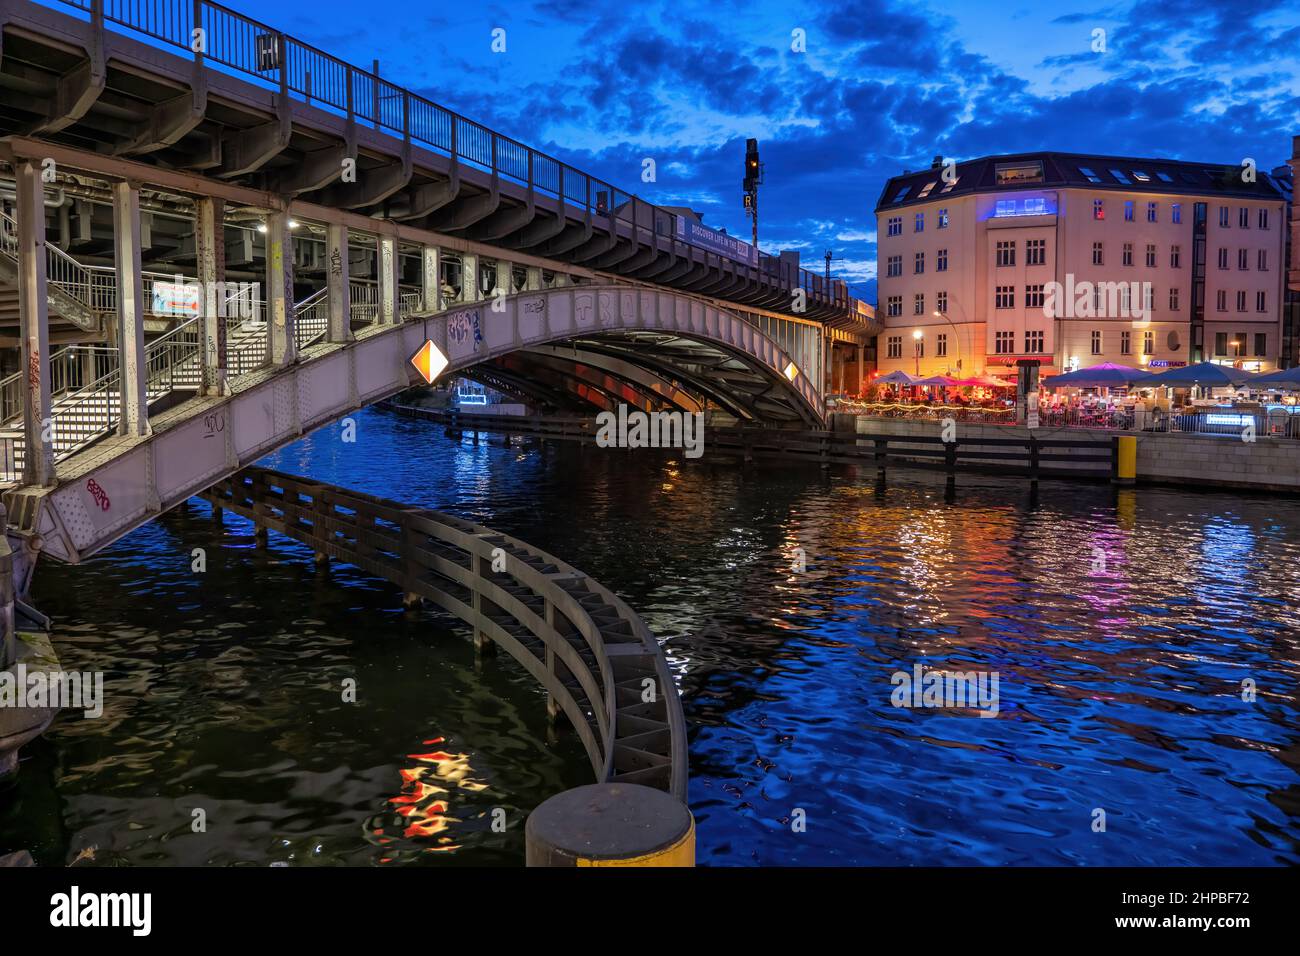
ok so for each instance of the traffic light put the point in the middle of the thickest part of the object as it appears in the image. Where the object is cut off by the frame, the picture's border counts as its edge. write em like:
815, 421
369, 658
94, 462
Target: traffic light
753, 170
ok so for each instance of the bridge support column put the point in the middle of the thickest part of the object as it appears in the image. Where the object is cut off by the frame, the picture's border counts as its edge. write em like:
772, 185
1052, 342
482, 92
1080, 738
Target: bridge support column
431, 278
610, 824
389, 272
862, 365
534, 283
33, 307
339, 283
134, 372
210, 252
469, 287
279, 290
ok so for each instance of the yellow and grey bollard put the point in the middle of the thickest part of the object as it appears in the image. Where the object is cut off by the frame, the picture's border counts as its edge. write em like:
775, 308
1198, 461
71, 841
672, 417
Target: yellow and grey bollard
1125, 459
611, 824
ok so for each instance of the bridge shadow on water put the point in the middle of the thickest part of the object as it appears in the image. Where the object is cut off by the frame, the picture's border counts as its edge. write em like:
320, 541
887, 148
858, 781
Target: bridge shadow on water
1120, 625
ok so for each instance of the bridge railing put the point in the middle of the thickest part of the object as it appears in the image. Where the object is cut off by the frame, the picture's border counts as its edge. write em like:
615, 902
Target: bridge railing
596, 658
275, 59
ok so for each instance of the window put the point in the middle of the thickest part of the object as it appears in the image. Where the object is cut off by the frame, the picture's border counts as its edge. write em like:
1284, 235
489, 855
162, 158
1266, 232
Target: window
1261, 303
1125, 299
1128, 253
1006, 252
1005, 297
1239, 343
1263, 224
1243, 217
895, 267
1175, 211
941, 261
1004, 343
943, 219
948, 188
1034, 296
1126, 343
895, 226
902, 194
1099, 209
1128, 210
1120, 177
941, 301
920, 222
926, 191
1220, 343
1151, 255
895, 346
1148, 343
1141, 176
1089, 174
1223, 217
1241, 301
918, 346
1010, 174
918, 265
895, 303
1033, 341
1221, 302
1165, 177
1243, 259
1261, 343
1151, 212
1262, 261
1173, 300
918, 304
1036, 252
1175, 257
1223, 257
1148, 298
1096, 341
1097, 257
941, 345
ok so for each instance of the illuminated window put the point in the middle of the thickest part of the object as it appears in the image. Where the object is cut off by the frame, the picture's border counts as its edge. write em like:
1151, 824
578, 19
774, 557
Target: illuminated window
1099, 209
1151, 212
1010, 174
926, 191
1128, 210
943, 219
1176, 212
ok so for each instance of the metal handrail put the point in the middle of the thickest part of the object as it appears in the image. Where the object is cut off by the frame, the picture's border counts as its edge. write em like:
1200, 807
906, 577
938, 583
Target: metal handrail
249, 47
593, 654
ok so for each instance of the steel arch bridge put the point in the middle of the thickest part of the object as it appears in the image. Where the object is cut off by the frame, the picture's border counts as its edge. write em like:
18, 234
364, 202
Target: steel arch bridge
120, 482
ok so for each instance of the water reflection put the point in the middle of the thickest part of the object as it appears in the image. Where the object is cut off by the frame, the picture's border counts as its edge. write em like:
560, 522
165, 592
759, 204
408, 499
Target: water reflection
1121, 625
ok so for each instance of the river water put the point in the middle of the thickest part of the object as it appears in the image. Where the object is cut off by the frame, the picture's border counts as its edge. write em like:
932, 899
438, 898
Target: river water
1146, 646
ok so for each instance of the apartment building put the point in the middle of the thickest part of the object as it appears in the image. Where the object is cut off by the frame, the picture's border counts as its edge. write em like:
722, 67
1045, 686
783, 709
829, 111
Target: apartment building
1072, 260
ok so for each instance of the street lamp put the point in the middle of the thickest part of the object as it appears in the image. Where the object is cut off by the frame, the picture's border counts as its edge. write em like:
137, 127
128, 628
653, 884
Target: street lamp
956, 334
917, 337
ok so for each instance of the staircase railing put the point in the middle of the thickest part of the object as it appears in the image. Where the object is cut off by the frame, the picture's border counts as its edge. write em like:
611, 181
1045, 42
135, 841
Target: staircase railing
71, 367
61, 270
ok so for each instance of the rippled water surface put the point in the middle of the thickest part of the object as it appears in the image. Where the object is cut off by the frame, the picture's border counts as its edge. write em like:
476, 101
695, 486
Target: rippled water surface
1121, 627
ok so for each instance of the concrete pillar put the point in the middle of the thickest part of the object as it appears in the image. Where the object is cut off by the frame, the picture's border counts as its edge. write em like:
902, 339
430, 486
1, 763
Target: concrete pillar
534, 283
338, 281
862, 367
389, 313
431, 278
130, 308
210, 252
469, 291
505, 277
34, 322
279, 290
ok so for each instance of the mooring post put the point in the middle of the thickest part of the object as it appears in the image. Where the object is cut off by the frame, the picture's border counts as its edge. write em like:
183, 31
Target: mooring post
610, 824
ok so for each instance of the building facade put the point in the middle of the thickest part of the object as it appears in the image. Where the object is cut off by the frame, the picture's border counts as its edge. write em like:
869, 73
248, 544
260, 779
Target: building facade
1073, 260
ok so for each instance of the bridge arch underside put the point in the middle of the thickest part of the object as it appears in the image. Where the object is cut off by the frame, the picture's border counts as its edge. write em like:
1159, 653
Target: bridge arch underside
650, 371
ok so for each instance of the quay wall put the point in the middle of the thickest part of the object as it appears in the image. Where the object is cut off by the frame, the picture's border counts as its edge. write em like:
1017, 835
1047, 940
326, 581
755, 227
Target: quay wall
1209, 461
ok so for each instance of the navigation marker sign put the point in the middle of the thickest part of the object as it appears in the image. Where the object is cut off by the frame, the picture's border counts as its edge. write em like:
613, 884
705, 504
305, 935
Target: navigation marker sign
429, 361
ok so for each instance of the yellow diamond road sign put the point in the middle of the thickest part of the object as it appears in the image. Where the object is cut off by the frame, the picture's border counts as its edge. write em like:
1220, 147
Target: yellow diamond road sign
429, 361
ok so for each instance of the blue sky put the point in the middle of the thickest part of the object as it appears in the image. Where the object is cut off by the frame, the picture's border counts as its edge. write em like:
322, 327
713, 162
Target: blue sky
882, 87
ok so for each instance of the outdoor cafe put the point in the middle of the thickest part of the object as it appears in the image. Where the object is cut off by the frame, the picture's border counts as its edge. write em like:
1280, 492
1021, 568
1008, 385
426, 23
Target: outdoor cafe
1204, 398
